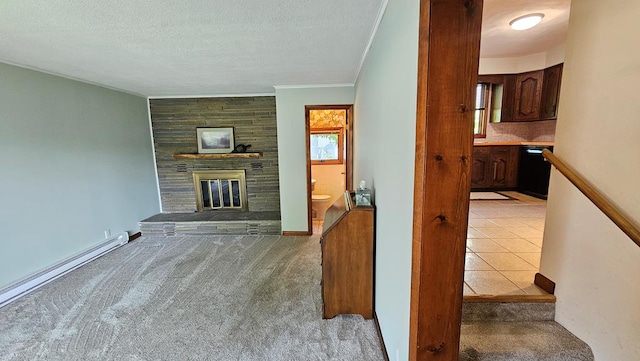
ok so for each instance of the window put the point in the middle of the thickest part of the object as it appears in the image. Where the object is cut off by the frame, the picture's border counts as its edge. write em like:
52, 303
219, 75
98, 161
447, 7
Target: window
483, 95
327, 146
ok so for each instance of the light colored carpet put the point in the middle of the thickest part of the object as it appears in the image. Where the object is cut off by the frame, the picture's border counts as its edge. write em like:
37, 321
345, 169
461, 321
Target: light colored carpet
188, 298
520, 341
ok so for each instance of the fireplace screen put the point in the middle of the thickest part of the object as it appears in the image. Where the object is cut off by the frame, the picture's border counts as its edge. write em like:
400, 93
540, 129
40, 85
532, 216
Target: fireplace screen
220, 190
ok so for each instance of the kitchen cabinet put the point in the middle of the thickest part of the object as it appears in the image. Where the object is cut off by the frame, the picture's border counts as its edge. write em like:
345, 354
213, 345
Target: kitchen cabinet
347, 259
508, 97
494, 167
480, 167
528, 95
550, 92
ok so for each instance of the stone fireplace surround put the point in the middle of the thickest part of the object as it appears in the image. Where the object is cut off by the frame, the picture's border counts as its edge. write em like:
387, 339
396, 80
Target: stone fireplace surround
174, 123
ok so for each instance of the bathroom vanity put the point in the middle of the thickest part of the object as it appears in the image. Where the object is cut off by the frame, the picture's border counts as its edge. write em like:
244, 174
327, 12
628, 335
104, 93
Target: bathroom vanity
347, 259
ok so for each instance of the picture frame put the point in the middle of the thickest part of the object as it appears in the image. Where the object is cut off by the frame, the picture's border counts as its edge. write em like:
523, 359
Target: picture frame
215, 140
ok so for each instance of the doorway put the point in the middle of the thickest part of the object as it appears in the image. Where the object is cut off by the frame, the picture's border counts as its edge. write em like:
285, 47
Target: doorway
329, 137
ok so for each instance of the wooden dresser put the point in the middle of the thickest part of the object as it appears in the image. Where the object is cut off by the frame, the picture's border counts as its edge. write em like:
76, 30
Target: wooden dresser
347, 259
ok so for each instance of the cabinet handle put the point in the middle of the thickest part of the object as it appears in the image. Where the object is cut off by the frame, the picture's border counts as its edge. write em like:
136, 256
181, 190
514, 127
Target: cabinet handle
495, 170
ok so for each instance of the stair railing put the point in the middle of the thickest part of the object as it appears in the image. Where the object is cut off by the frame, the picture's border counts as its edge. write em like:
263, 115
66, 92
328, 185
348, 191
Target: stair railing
608, 208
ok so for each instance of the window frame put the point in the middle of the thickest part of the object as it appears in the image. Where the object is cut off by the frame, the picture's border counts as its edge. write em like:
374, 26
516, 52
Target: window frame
339, 131
485, 110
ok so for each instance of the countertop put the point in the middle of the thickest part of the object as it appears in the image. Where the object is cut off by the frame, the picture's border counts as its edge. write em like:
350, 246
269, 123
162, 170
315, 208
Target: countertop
483, 144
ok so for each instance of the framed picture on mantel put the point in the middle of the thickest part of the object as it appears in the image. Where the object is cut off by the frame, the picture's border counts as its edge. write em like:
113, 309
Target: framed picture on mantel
215, 140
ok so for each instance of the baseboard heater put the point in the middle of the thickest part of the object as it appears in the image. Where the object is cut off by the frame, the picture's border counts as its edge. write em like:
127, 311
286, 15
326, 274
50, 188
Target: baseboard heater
21, 288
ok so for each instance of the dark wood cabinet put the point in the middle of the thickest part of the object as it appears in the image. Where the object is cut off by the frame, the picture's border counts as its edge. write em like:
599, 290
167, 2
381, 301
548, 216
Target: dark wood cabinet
480, 167
504, 166
528, 95
550, 92
494, 167
508, 97
347, 260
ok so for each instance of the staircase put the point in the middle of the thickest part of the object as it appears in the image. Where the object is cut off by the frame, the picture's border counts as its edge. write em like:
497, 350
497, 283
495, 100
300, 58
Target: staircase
516, 328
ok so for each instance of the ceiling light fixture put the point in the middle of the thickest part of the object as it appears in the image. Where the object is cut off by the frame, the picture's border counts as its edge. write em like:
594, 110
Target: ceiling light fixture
526, 22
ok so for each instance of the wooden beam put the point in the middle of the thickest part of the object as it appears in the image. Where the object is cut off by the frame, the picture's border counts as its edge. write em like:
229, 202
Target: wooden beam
510, 299
448, 53
296, 233
216, 155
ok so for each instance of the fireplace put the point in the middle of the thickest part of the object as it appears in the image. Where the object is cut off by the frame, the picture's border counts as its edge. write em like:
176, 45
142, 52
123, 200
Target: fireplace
220, 189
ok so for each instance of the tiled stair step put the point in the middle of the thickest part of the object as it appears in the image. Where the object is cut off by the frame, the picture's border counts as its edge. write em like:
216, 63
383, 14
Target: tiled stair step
516, 328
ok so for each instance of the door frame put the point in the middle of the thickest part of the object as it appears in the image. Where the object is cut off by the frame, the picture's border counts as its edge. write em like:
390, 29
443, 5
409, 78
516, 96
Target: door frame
348, 139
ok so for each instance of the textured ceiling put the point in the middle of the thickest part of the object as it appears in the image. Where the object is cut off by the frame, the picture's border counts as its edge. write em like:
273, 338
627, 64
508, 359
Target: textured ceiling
194, 47
210, 47
499, 40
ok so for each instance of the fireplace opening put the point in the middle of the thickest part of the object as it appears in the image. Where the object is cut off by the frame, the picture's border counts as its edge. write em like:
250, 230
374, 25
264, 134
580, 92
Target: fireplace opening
220, 189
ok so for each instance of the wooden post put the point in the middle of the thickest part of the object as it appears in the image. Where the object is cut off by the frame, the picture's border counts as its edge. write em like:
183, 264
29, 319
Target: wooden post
449, 45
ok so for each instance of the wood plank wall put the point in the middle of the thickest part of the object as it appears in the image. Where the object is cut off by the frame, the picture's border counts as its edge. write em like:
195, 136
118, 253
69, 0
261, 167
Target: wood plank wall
174, 123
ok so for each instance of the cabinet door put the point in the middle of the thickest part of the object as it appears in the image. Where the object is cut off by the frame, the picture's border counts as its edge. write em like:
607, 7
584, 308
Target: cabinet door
480, 166
499, 170
528, 93
504, 166
508, 97
550, 92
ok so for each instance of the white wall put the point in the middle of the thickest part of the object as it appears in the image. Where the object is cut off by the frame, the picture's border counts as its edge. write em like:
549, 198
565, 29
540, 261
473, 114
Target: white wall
385, 112
292, 153
330, 180
522, 64
596, 267
76, 160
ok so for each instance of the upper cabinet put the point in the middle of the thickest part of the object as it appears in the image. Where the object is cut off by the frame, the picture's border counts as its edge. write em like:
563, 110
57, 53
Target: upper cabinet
508, 98
550, 92
524, 97
528, 95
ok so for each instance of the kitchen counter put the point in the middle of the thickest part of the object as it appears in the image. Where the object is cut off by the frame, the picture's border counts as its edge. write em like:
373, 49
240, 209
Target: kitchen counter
483, 144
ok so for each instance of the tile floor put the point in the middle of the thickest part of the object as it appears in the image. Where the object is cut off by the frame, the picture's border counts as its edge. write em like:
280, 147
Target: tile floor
504, 240
503, 245
317, 226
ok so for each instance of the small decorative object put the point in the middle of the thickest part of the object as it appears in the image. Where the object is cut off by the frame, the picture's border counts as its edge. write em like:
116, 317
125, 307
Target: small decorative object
347, 200
215, 140
241, 148
363, 195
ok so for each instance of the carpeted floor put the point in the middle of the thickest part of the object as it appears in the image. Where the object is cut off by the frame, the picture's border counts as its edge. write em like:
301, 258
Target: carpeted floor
188, 298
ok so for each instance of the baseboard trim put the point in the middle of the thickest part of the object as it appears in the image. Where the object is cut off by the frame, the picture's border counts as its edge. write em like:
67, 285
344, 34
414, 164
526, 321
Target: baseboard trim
543, 282
384, 347
135, 236
290, 233
30, 284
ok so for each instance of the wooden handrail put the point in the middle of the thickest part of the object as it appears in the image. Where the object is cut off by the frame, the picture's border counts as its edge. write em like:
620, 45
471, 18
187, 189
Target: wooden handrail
600, 201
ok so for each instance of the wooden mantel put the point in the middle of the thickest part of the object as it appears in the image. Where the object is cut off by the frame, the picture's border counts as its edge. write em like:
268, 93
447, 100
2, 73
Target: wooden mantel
216, 155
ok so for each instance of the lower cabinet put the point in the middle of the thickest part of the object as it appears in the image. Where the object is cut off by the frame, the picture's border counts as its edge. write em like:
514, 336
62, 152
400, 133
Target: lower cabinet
495, 167
347, 260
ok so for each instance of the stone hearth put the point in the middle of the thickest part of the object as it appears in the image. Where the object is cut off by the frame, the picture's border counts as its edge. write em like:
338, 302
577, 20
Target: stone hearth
212, 222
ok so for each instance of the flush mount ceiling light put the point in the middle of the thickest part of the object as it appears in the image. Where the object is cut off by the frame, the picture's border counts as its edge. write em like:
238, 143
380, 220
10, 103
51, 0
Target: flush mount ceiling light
526, 22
